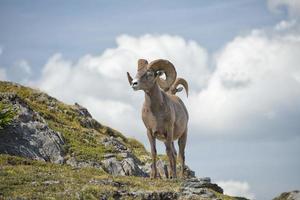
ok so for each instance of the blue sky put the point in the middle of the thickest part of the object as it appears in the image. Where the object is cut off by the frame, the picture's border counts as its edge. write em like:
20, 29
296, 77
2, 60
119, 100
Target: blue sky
241, 59
35, 30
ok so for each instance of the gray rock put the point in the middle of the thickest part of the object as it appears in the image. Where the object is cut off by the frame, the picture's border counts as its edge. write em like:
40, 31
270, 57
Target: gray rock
204, 180
89, 122
199, 187
29, 135
131, 168
293, 195
79, 164
85, 118
188, 173
114, 143
113, 166
127, 166
201, 183
82, 111
162, 169
203, 192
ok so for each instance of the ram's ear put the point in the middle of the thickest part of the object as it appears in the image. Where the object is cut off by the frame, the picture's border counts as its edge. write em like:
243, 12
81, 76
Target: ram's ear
179, 89
159, 73
129, 78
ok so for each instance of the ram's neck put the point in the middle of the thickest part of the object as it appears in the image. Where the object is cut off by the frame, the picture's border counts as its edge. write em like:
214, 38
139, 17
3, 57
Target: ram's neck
154, 98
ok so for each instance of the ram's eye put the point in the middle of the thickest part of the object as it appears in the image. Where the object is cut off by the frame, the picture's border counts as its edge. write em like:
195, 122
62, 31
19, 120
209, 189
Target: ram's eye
149, 74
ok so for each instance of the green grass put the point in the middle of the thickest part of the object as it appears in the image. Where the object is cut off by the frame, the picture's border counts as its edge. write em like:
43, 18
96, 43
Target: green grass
20, 177
7, 114
139, 150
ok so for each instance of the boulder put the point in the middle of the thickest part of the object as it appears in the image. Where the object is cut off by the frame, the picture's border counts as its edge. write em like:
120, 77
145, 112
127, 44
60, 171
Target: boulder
113, 166
199, 186
124, 166
82, 111
28, 135
114, 143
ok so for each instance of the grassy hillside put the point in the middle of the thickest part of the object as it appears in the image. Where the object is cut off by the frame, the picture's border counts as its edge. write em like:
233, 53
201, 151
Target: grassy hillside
83, 143
30, 179
20, 177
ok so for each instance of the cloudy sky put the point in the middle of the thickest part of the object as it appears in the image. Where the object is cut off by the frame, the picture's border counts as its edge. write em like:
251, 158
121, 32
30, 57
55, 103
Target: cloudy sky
241, 59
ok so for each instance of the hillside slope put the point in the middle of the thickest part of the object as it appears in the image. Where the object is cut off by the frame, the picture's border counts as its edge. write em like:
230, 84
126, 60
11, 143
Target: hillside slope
84, 159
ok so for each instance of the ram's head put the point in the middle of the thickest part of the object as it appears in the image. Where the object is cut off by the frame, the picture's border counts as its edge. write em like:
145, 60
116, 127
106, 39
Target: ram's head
150, 73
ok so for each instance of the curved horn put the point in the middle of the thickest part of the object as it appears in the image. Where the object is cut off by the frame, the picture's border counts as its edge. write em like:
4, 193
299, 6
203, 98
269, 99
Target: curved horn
169, 70
142, 64
183, 82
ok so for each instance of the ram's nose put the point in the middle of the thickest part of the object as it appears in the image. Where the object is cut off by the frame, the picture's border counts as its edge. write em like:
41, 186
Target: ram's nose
134, 84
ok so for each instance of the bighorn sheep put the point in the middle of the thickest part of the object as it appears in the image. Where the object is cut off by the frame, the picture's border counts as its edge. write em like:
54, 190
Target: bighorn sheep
164, 114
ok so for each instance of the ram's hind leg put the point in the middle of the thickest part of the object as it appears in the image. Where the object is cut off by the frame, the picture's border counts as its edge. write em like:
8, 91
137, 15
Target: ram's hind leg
181, 156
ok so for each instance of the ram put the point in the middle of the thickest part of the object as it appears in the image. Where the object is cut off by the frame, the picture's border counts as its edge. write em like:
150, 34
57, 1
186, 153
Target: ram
164, 114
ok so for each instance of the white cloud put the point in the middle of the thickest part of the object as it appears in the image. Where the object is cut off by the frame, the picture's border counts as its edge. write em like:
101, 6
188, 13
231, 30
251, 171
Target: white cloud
255, 75
236, 188
100, 82
256, 78
284, 25
293, 6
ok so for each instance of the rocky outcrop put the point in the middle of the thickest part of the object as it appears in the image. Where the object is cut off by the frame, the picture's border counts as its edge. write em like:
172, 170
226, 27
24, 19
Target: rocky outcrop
190, 189
199, 187
195, 183
125, 166
29, 135
123, 161
86, 120
293, 195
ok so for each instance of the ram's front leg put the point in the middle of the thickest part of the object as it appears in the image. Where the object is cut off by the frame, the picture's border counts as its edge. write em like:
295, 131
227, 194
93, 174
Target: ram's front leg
171, 154
152, 141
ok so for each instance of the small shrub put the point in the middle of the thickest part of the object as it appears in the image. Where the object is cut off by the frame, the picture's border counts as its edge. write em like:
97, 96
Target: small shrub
6, 115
